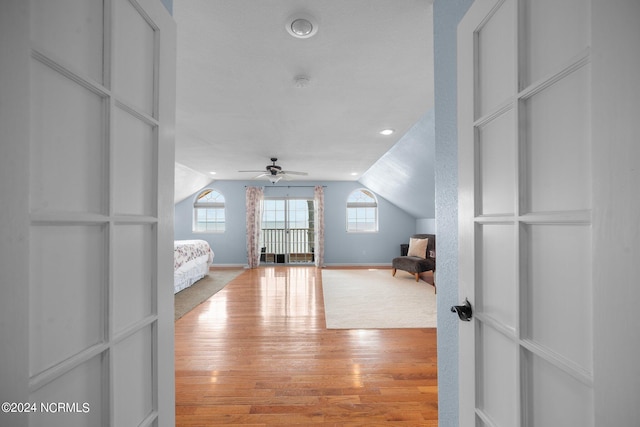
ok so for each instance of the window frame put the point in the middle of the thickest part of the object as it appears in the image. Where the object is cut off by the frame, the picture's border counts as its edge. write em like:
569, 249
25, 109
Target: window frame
215, 205
350, 205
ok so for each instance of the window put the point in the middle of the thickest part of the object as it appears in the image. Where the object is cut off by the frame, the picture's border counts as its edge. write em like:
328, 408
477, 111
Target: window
362, 211
208, 212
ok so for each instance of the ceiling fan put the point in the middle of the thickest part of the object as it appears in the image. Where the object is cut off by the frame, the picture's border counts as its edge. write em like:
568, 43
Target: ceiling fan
274, 172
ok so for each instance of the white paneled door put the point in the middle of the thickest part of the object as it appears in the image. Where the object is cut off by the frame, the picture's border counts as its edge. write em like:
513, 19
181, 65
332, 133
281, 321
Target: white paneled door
545, 211
88, 96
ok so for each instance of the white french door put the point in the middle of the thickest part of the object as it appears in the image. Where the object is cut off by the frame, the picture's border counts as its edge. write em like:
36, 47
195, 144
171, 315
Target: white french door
538, 205
287, 233
87, 223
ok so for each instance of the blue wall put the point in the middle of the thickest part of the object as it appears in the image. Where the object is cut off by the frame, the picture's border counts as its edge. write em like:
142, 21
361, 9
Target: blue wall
395, 225
446, 16
404, 175
169, 5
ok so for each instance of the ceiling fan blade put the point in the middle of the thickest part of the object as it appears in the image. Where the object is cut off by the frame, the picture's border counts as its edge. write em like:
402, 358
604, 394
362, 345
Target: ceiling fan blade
294, 173
254, 171
260, 176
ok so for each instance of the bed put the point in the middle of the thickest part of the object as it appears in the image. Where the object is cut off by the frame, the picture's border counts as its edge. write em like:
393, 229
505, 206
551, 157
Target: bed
191, 262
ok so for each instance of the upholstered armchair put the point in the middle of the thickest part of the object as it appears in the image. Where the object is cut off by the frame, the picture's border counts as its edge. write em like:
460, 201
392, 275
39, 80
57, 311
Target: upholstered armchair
417, 257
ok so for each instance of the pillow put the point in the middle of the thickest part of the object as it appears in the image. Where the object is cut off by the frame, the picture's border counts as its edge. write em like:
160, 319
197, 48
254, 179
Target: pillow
418, 247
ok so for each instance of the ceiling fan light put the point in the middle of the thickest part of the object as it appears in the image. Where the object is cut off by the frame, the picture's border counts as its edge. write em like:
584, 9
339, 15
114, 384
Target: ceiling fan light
274, 178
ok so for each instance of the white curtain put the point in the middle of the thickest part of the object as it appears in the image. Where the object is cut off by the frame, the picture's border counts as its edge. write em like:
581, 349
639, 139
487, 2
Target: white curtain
318, 198
254, 218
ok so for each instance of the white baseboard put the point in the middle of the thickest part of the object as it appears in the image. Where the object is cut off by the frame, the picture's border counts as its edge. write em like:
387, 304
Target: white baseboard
214, 266
348, 264
365, 264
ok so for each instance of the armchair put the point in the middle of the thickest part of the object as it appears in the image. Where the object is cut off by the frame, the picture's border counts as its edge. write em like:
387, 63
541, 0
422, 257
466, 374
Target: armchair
416, 257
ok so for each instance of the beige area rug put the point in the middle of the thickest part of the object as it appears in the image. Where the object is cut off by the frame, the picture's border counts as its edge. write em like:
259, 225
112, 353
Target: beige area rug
373, 299
187, 299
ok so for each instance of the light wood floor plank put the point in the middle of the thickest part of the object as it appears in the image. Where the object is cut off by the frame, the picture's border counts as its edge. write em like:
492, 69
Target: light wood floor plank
257, 353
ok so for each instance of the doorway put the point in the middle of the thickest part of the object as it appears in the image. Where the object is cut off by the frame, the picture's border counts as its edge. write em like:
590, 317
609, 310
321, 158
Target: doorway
287, 231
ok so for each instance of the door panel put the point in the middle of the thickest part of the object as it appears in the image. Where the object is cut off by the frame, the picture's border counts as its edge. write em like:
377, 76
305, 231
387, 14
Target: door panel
554, 398
80, 384
546, 41
557, 144
80, 43
133, 388
134, 155
495, 293
91, 176
134, 46
132, 274
64, 130
66, 293
495, 52
525, 217
497, 366
496, 154
558, 292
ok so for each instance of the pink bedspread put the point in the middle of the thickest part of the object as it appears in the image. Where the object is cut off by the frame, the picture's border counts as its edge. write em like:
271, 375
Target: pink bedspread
186, 250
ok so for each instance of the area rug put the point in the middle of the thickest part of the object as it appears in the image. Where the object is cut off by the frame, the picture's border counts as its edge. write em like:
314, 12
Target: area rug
189, 298
373, 299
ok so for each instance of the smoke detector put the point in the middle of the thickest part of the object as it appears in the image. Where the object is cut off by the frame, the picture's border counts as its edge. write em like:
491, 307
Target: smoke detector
301, 81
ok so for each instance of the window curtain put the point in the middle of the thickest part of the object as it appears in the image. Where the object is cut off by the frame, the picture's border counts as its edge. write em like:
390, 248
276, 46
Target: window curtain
318, 198
254, 217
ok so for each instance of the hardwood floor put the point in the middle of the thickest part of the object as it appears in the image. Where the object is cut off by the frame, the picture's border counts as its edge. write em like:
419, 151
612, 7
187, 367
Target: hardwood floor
257, 353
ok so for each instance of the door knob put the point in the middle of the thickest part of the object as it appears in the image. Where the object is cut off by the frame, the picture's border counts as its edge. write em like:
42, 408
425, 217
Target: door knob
465, 312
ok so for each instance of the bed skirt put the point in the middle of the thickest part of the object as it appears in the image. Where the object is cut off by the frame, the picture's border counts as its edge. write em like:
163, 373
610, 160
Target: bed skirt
192, 259
189, 273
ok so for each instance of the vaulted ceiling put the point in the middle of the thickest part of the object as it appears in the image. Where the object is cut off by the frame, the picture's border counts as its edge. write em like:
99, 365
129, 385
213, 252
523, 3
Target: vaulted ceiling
248, 90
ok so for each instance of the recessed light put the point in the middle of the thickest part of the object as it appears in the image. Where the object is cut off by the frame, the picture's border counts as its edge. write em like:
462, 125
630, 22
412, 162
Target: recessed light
386, 132
212, 173
354, 173
302, 26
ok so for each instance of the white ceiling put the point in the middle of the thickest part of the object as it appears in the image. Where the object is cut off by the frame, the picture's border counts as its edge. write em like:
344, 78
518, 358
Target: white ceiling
370, 67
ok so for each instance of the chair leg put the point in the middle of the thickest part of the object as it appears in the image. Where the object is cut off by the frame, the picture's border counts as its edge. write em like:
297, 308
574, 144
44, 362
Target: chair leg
417, 277
435, 288
393, 272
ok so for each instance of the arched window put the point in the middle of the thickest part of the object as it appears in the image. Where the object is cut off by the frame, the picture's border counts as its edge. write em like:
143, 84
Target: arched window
208, 212
362, 211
